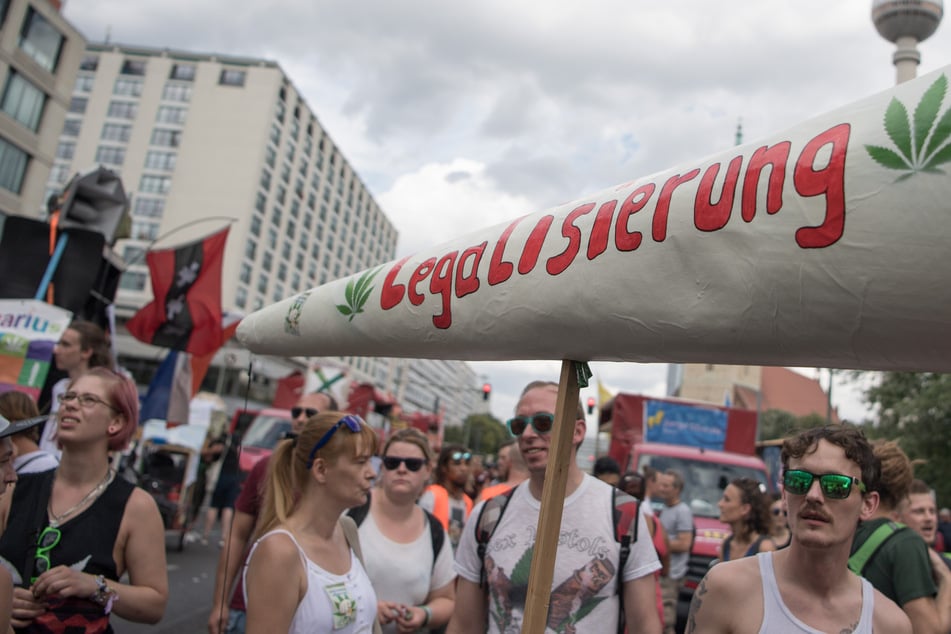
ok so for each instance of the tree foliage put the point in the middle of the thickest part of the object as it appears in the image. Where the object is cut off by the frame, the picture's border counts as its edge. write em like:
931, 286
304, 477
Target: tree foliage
775, 424
483, 433
915, 410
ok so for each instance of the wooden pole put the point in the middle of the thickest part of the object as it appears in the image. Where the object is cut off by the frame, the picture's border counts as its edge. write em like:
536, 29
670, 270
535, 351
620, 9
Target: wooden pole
553, 502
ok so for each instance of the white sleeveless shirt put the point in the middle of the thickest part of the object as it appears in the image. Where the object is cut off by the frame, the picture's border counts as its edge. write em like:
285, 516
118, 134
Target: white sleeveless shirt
333, 604
777, 619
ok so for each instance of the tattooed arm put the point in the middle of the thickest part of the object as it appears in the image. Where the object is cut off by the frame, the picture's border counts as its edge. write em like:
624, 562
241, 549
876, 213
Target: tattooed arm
724, 595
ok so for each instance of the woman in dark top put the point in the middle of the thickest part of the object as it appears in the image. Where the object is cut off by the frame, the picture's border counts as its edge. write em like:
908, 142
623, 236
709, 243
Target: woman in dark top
745, 508
74, 531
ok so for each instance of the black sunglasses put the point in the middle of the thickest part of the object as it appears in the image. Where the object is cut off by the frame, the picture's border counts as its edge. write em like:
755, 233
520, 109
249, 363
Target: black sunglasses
354, 424
392, 463
542, 422
310, 411
834, 486
44, 544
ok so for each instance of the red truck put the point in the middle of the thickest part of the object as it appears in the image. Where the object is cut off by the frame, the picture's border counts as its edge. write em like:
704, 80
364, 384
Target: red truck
709, 445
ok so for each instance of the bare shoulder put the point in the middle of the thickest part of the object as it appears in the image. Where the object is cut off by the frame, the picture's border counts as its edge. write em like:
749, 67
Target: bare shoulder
728, 589
141, 509
888, 617
277, 551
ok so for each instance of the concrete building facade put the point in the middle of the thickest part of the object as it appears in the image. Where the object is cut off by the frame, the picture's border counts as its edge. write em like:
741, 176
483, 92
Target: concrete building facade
204, 141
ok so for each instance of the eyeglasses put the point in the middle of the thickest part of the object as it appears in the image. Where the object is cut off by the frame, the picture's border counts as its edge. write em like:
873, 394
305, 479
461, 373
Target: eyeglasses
85, 400
835, 486
354, 424
392, 463
44, 544
310, 412
541, 422
459, 457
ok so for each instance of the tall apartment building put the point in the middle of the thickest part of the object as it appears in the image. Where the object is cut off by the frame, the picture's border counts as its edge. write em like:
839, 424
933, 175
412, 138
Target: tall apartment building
39, 57
227, 140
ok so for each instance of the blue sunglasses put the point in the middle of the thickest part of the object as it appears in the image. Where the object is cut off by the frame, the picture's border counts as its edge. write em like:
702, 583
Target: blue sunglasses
353, 422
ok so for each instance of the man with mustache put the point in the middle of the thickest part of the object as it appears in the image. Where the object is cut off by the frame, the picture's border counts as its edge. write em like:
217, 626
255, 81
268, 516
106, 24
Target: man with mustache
829, 479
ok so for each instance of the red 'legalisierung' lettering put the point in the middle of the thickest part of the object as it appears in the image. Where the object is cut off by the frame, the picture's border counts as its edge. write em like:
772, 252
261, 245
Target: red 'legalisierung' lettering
455, 274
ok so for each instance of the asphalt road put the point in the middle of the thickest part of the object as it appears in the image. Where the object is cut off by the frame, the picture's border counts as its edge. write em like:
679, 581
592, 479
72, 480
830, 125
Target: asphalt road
191, 581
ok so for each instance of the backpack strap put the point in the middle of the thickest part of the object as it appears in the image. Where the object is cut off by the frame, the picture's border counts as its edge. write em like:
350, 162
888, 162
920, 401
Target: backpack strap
626, 509
437, 535
861, 557
359, 513
353, 539
488, 519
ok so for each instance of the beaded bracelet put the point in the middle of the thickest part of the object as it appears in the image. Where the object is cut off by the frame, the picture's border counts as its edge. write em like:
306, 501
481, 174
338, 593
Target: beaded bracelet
429, 615
104, 595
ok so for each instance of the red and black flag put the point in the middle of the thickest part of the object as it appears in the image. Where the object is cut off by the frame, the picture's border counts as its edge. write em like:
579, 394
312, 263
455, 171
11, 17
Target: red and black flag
185, 313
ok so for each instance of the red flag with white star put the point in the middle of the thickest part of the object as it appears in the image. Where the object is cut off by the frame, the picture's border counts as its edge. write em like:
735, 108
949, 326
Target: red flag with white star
185, 313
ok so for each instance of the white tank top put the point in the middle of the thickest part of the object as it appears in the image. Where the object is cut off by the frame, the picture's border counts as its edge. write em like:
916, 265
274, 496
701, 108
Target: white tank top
777, 619
337, 604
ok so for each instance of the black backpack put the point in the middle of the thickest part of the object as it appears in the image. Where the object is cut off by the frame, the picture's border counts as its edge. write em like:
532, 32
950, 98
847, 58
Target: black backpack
624, 518
437, 533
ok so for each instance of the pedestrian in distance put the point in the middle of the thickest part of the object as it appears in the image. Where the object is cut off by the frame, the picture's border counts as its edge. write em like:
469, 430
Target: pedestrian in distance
607, 470
20, 408
228, 610
678, 523
829, 477
446, 497
75, 531
743, 506
919, 512
512, 470
406, 550
303, 573
589, 587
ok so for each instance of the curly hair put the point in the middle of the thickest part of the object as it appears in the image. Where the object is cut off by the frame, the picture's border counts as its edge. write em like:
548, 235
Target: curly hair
849, 437
752, 493
897, 473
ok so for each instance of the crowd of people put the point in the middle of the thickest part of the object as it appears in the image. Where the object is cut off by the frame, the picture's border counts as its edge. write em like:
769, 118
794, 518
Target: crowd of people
338, 532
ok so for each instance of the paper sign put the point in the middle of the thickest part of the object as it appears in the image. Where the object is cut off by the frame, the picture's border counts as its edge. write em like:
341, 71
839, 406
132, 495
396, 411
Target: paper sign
29, 329
824, 246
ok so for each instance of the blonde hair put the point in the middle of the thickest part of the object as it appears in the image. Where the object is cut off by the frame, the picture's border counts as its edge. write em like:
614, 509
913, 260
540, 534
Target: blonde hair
289, 468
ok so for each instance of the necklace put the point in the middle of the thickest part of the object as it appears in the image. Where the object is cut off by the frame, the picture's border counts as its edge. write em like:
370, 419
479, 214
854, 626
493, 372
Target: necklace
56, 520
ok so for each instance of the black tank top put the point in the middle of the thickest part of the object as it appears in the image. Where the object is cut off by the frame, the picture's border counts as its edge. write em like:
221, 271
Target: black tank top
87, 539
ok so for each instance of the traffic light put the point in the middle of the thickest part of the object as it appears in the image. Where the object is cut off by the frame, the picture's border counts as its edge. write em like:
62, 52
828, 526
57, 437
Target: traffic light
591, 404
486, 391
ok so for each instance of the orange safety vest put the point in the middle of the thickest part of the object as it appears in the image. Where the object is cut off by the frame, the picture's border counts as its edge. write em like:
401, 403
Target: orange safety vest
441, 504
496, 489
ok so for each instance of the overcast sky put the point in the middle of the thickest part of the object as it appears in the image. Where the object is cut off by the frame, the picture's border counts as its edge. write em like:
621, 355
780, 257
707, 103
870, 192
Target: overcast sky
463, 115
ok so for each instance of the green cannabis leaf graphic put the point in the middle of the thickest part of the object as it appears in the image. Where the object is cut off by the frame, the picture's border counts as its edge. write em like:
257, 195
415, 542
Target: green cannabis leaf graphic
358, 294
921, 142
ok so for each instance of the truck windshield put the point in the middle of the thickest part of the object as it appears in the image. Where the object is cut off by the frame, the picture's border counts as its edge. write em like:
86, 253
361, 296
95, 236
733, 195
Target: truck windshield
703, 481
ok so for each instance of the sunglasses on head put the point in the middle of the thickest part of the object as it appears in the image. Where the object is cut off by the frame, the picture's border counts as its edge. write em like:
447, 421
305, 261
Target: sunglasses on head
834, 486
460, 456
309, 411
392, 463
352, 422
541, 422
44, 544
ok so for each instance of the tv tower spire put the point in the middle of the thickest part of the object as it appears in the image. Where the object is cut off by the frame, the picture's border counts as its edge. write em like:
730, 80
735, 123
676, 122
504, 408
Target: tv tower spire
905, 23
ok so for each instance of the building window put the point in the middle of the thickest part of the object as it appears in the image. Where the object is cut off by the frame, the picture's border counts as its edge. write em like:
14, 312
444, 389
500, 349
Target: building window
275, 134
271, 238
122, 110
77, 105
23, 101
133, 67
269, 156
171, 114
40, 40
250, 249
89, 62
177, 92
66, 150
71, 127
255, 227
148, 207
144, 230
13, 162
241, 297
282, 272
260, 202
110, 155
266, 262
127, 87
245, 274
151, 184
183, 72
160, 160
132, 281
231, 77
132, 253
265, 180
166, 138
116, 132
84, 83
59, 173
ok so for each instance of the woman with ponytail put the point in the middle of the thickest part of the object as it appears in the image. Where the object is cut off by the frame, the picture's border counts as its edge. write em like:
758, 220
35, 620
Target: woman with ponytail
303, 572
